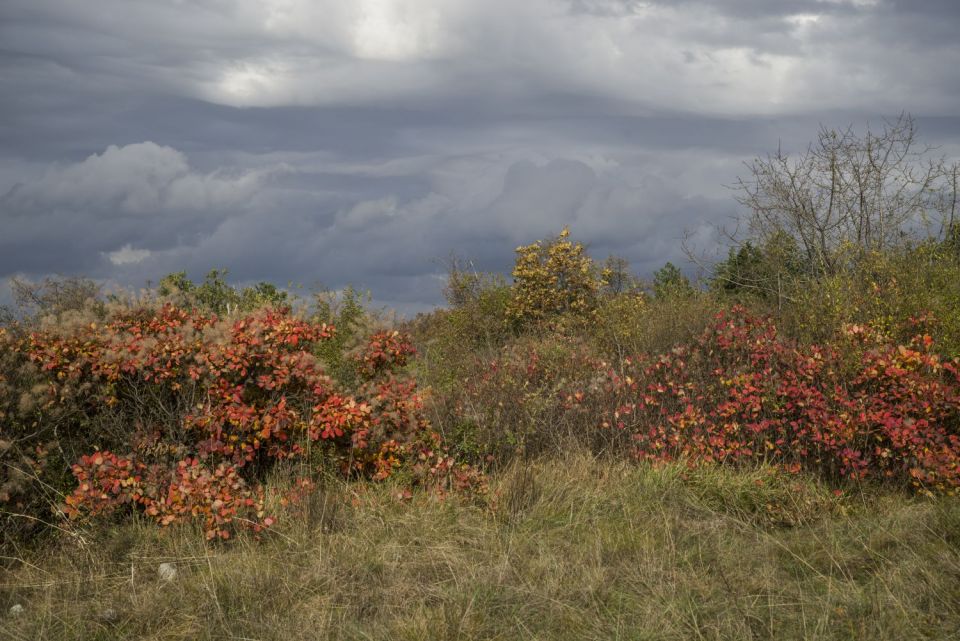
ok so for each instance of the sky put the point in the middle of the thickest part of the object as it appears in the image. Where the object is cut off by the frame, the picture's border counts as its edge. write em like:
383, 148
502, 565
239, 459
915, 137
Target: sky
364, 142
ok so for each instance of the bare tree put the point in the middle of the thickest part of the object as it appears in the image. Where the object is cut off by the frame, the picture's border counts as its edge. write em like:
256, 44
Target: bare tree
949, 201
866, 192
54, 295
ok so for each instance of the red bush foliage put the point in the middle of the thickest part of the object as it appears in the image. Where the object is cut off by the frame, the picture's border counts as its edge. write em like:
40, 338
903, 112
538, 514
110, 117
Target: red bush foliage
385, 351
741, 393
208, 406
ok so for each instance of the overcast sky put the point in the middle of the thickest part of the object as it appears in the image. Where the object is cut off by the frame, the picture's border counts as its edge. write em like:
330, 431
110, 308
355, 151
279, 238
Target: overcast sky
362, 141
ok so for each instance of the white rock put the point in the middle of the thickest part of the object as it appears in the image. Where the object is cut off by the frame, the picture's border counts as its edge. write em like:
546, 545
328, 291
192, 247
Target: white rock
16, 610
109, 616
167, 571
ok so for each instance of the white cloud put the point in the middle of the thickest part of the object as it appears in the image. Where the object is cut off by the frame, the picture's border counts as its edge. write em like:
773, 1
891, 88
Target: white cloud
127, 255
408, 48
120, 208
397, 30
136, 179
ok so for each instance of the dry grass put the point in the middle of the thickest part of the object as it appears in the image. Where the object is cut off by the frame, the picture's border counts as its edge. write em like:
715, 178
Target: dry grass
572, 548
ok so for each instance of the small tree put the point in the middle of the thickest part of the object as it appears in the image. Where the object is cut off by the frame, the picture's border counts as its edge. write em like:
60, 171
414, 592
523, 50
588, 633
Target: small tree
759, 270
346, 311
56, 295
551, 278
669, 282
617, 278
216, 295
849, 192
465, 285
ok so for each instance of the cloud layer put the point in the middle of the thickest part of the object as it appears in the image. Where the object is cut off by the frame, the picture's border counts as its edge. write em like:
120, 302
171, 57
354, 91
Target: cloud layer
314, 140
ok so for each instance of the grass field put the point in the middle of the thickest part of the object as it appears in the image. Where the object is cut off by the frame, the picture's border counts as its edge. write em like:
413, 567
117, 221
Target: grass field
566, 548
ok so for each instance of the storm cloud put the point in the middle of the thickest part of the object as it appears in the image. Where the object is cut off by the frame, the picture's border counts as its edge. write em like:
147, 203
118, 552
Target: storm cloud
362, 142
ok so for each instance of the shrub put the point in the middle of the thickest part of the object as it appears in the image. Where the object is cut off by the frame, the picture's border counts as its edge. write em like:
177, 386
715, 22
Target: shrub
28, 452
519, 400
179, 414
54, 296
741, 393
634, 323
480, 310
451, 341
215, 295
883, 291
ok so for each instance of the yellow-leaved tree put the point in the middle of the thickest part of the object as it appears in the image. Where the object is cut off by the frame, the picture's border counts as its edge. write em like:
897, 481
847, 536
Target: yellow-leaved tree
552, 278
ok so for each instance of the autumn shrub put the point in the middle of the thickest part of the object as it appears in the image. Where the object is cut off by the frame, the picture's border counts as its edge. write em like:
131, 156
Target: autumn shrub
881, 290
553, 278
385, 351
178, 414
26, 452
866, 407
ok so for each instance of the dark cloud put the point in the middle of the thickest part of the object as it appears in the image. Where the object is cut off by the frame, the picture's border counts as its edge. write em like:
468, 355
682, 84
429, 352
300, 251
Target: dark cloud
363, 142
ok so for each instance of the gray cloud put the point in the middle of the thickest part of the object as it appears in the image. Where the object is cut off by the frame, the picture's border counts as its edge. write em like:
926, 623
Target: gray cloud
715, 57
140, 197
362, 142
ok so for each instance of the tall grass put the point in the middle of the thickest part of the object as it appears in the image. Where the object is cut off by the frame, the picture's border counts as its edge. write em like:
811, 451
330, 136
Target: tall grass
564, 549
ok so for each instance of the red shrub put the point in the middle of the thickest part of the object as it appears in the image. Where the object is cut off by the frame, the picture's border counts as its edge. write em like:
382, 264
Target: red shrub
742, 393
200, 408
385, 351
